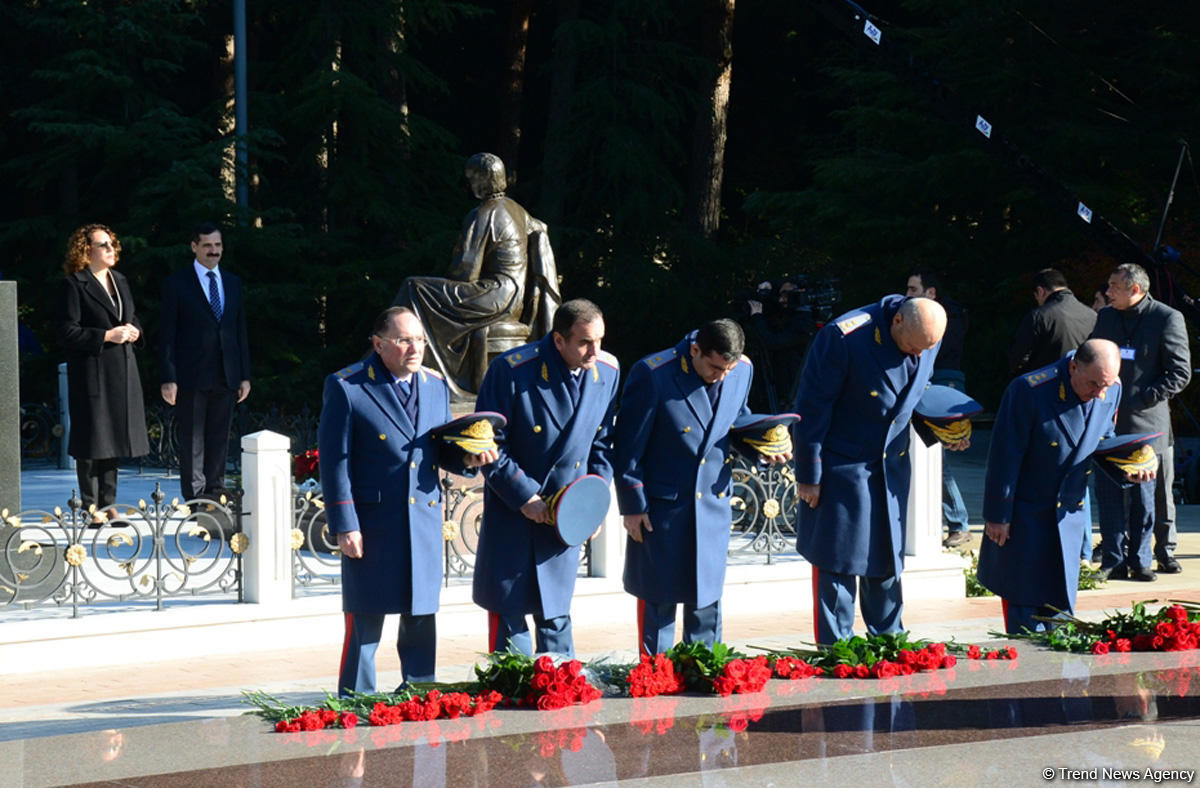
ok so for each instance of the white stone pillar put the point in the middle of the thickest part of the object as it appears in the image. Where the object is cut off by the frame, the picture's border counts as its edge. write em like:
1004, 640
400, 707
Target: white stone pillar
923, 537
267, 481
608, 548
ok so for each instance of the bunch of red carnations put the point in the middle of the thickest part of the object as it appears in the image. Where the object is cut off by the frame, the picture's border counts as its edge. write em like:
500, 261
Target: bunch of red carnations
742, 675
877, 657
1174, 627
556, 687
1171, 630
655, 676
317, 719
433, 705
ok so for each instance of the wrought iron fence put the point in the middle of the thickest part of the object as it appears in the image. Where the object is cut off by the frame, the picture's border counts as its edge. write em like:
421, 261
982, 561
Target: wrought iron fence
764, 508
147, 552
316, 561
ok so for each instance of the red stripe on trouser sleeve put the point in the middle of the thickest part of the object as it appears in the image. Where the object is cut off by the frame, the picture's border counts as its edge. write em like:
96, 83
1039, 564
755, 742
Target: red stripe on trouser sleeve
1004, 613
816, 608
641, 626
346, 645
493, 630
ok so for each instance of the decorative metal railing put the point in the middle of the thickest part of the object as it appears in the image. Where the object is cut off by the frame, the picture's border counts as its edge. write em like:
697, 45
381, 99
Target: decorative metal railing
150, 552
315, 558
764, 508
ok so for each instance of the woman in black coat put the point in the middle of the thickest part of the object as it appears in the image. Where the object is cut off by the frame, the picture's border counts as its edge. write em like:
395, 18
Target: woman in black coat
98, 330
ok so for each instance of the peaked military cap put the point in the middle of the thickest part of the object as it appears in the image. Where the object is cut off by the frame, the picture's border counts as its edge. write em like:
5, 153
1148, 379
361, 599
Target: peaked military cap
474, 433
759, 433
1122, 454
943, 415
577, 510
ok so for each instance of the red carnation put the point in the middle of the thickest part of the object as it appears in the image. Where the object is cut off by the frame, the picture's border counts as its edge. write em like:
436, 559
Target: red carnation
1100, 647
861, 671
974, 652
349, 719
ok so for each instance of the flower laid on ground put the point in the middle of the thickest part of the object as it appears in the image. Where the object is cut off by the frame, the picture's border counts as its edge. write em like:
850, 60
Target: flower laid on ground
877, 657
1174, 627
695, 666
512, 679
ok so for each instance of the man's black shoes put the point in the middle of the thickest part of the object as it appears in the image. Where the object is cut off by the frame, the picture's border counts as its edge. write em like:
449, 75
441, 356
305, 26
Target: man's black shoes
1143, 575
1169, 566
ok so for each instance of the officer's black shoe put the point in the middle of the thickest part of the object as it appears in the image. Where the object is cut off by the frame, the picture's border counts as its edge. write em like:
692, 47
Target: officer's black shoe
1144, 575
1169, 566
1114, 573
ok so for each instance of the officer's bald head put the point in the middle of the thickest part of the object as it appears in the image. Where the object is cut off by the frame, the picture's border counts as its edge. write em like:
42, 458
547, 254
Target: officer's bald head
918, 325
1095, 367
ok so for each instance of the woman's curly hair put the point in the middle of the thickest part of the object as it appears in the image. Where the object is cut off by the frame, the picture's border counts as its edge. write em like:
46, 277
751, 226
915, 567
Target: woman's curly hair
80, 244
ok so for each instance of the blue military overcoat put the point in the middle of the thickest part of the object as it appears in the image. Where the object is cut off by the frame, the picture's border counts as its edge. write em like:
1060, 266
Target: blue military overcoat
856, 396
673, 463
521, 566
378, 476
1038, 465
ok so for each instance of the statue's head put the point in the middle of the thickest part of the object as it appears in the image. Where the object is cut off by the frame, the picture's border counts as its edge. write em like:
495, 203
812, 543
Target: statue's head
485, 172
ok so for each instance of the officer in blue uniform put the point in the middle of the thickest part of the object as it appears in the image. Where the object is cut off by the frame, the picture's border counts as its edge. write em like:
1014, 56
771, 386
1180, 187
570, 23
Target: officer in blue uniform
1048, 425
559, 395
382, 497
673, 480
863, 376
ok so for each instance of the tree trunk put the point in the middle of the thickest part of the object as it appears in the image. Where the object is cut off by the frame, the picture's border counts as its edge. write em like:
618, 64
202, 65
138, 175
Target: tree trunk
509, 142
558, 148
709, 133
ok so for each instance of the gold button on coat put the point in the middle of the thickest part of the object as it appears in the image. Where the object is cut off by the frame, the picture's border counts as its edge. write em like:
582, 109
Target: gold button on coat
382, 437
537, 427
412, 501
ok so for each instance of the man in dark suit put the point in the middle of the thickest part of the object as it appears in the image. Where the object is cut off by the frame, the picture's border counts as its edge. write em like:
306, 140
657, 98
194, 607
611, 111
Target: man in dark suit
1156, 364
205, 361
382, 497
1055, 327
865, 372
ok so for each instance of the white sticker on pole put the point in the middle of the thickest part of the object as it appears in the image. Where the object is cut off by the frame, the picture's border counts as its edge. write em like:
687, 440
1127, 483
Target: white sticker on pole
872, 32
983, 126
1084, 212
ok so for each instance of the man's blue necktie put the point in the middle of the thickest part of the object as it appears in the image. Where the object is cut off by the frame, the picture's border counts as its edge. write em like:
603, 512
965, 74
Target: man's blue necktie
575, 387
214, 295
408, 399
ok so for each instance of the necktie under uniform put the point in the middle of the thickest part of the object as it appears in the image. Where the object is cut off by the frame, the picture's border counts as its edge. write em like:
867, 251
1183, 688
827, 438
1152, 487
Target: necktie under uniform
408, 398
214, 295
575, 387
713, 390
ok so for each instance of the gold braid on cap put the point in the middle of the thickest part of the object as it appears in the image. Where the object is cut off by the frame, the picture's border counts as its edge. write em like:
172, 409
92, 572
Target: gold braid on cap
476, 438
1144, 459
951, 432
776, 440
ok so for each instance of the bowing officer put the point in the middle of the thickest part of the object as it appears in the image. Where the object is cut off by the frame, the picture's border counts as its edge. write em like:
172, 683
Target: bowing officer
673, 480
383, 500
1048, 425
864, 374
558, 395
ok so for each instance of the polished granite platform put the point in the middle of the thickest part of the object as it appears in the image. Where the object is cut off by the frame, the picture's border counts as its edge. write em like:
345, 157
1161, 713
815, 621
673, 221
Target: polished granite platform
1105, 718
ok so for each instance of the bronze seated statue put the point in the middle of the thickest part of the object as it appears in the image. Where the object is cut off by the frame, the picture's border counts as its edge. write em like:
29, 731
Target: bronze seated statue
501, 288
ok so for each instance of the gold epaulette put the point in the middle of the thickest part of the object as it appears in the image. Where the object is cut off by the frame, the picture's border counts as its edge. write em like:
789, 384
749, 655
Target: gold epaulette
521, 355
658, 359
1041, 376
346, 372
853, 322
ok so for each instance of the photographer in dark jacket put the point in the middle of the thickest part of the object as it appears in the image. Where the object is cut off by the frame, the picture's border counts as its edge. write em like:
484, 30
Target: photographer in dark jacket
947, 371
779, 332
